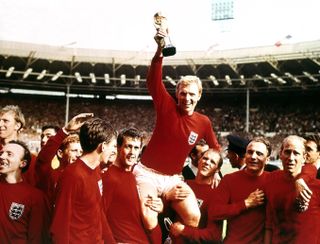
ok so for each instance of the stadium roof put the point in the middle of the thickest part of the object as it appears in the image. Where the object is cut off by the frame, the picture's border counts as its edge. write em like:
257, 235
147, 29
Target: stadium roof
288, 67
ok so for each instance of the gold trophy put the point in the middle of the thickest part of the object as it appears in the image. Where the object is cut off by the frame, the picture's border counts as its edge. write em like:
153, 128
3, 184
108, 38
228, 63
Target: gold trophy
162, 37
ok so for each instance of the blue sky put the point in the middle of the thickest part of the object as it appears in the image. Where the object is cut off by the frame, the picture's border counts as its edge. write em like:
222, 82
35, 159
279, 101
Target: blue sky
128, 25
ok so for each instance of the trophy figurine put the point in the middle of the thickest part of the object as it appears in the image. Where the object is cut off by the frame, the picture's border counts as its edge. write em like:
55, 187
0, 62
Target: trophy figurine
162, 37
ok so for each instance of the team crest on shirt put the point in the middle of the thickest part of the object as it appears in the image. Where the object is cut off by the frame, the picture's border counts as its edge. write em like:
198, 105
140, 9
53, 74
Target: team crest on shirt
192, 138
199, 201
16, 210
100, 186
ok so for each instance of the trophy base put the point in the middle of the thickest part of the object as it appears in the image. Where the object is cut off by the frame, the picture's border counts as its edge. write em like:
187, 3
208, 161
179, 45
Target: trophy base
168, 51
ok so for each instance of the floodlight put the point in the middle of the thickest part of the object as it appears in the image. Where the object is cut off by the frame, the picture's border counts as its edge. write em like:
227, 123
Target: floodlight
310, 76
78, 76
292, 77
56, 76
228, 79
214, 80
107, 78
93, 78
242, 80
136, 80
10, 71
122, 79
168, 78
27, 73
262, 78
42, 74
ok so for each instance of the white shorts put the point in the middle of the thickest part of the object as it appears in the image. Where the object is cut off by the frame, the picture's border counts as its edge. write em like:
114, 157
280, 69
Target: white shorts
160, 182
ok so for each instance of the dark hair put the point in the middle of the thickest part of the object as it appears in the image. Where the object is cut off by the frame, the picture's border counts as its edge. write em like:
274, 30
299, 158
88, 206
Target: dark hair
26, 156
55, 127
201, 143
95, 131
264, 141
131, 132
315, 138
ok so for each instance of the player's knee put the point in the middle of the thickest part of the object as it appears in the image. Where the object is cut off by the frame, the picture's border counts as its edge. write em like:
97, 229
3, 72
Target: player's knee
150, 218
193, 218
150, 222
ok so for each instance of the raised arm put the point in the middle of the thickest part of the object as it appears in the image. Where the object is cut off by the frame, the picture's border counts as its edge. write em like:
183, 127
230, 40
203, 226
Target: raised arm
49, 150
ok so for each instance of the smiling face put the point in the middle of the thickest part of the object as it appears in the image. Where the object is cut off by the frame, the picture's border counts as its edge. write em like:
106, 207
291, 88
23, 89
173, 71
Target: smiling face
9, 127
188, 97
256, 157
292, 155
128, 152
11, 158
208, 164
188, 93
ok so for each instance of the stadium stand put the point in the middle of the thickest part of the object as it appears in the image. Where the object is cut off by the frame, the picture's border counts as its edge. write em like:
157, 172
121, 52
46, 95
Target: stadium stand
277, 87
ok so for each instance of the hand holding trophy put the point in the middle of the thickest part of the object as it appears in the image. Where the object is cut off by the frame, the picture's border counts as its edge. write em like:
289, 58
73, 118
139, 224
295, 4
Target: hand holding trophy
162, 36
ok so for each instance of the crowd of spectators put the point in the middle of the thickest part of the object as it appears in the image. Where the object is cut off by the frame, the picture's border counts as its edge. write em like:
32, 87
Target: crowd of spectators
274, 120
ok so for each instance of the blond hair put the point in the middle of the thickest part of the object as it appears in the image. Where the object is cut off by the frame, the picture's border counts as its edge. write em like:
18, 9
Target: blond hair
189, 79
294, 138
18, 115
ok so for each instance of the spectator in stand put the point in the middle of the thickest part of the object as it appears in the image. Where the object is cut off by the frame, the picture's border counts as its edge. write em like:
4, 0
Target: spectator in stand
208, 231
239, 198
67, 148
24, 211
285, 224
79, 215
189, 171
236, 151
120, 194
226, 116
178, 128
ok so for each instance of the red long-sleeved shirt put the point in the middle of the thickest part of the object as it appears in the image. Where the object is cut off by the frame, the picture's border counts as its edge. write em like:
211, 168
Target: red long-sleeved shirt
227, 202
47, 177
24, 214
202, 193
175, 134
287, 224
122, 206
79, 215
208, 231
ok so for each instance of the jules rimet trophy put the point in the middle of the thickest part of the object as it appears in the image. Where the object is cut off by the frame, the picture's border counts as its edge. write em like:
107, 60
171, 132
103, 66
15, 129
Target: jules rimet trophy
161, 25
